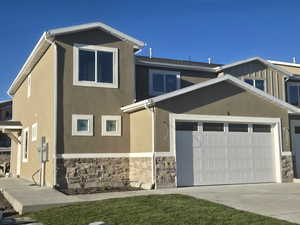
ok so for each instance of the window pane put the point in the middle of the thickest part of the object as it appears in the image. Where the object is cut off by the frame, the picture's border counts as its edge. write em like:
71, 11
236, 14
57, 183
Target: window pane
82, 125
238, 127
187, 126
171, 83
261, 128
105, 67
158, 82
297, 130
213, 127
86, 66
260, 84
111, 125
293, 95
249, 81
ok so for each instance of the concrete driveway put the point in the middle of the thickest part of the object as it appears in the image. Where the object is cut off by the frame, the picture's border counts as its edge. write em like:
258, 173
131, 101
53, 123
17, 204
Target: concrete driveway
281, 201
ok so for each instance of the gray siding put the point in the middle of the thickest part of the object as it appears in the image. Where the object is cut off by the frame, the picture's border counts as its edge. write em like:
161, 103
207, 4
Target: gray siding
257, 70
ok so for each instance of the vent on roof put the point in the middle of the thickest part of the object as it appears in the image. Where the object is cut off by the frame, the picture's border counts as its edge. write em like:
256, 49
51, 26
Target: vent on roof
294, 59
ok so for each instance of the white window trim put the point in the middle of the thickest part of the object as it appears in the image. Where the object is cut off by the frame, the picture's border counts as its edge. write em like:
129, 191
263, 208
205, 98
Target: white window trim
34, 130
164, 72
288, 91
118, 132
254, 80
76, 81
90, 119
29, 86
25, 160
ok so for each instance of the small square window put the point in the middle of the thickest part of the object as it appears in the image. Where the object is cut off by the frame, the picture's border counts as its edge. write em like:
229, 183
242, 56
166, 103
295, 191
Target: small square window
82, 125
111, 125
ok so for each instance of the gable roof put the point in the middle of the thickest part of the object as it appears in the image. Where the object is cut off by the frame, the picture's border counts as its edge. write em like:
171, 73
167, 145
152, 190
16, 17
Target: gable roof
45, 41
263, 61
95, 25
151, 101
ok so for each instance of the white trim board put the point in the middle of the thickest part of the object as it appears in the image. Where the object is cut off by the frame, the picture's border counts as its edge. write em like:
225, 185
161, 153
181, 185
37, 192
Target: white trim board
284, 63
230, 78
105, 155
208, 118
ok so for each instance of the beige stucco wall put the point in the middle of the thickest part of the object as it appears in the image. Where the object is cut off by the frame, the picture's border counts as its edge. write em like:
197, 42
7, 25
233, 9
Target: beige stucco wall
219, 99
141, 131
291, 69
38, 108
257, 70
96, 101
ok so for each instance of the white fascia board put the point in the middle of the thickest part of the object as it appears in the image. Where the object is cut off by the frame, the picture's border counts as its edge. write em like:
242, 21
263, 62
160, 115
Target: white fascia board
23, 72
176, 66
267, 63
284, 63
230, 78
71, 29
5, 101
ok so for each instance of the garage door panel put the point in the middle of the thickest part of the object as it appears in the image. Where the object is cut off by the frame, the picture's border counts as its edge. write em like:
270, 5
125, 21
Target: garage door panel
226, 157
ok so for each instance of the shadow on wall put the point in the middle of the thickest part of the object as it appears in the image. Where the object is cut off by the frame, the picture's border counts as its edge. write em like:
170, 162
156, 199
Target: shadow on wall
60, 100
202, 97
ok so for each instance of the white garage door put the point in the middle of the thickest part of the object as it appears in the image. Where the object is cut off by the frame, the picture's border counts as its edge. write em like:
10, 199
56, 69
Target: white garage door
210, 153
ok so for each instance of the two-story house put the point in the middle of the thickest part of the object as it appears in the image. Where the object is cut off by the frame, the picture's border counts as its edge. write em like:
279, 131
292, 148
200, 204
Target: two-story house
113, 118
5, 115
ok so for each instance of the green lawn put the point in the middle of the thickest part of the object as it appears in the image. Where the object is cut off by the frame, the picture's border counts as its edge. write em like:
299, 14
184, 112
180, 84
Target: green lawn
150, 210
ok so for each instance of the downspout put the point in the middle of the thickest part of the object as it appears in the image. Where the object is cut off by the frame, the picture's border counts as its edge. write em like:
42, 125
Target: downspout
54, 111
152, 111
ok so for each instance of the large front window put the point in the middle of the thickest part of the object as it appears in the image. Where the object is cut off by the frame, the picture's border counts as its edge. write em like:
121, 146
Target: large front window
95, 66
162, 81
294, 93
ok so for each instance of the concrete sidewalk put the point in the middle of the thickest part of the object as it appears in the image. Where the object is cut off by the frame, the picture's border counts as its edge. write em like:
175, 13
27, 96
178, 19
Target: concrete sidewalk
280, 201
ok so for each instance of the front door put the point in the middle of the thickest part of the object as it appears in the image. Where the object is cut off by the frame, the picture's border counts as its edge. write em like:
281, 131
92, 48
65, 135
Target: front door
295, 132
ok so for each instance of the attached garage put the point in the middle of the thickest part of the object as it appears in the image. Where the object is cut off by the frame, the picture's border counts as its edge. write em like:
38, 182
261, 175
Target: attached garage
213, 150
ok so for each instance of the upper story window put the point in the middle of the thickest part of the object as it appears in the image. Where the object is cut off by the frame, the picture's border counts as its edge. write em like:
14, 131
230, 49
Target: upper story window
294, 93
163, 81
260, 84
95, 66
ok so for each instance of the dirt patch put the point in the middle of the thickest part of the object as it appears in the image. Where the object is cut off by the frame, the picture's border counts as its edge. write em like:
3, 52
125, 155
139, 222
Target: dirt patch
97, 190
6, 207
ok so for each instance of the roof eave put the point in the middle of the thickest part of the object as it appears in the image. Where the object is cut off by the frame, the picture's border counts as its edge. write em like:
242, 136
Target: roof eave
30, 60
175, 66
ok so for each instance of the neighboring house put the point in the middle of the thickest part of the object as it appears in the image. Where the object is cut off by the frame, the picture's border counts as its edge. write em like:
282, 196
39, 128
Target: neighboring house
5, 114
112, 118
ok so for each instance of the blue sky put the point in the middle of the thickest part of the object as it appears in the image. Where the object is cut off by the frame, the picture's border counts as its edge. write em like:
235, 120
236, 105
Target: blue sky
226, 30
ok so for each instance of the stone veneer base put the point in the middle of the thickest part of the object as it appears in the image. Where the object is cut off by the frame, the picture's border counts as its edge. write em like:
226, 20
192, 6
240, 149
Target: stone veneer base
104, 172
137, 172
